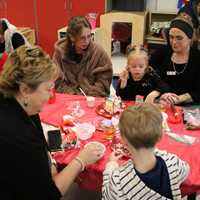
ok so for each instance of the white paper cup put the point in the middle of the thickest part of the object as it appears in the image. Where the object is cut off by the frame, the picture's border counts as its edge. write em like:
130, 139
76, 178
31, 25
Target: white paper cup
90, 101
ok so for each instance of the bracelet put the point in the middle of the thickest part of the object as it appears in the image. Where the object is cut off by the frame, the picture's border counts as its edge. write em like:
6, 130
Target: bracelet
53, 161
81, 163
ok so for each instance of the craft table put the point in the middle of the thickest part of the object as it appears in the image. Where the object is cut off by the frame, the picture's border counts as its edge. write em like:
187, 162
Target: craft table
92, 177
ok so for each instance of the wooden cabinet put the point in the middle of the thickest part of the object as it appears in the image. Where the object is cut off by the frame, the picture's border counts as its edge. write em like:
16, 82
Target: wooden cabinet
47, 16
157, 16
21, 13
51, 15
2, 10
138, 20
84, 7
25, 16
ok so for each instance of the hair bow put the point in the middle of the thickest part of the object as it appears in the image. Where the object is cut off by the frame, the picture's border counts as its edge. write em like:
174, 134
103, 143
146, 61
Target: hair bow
143, 47
131, 48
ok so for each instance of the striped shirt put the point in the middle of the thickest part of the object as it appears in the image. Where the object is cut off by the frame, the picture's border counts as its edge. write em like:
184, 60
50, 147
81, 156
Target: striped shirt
122, 183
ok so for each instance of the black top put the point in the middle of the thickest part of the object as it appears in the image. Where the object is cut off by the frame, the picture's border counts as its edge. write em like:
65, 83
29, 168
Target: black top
149, 82
24, 170
17, 40
186, 82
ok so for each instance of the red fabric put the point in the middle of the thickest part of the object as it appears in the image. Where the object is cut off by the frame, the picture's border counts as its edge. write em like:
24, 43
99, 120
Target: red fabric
3, 60
92, 177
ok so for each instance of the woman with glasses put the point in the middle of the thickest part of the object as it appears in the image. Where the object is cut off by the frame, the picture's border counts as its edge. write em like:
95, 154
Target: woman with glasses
82, 63
178, 64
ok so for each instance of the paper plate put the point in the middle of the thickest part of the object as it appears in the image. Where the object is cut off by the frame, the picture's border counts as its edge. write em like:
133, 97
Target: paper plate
116, 143
101, 111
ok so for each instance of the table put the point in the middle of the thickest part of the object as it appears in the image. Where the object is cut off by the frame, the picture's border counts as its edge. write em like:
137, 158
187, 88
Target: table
92, 177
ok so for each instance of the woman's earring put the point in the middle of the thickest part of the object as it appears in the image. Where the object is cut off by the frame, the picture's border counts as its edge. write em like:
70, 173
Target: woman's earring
72, 43
25, 103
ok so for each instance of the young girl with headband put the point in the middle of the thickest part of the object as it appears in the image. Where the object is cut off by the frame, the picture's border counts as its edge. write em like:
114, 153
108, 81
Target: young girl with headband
138, 78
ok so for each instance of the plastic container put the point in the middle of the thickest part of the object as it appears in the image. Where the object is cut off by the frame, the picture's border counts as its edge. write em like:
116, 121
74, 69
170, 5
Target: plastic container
84, 131
139, 99
131, 5
90, 101
98, 144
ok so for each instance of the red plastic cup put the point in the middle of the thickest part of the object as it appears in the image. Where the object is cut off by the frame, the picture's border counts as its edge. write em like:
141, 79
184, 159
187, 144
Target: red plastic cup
53, 98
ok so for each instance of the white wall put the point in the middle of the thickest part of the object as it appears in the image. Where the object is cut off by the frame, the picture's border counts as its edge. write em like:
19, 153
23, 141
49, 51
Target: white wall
169, 5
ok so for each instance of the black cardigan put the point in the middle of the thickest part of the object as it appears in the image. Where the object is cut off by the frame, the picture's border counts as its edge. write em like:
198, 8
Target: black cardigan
160, 60
24, 170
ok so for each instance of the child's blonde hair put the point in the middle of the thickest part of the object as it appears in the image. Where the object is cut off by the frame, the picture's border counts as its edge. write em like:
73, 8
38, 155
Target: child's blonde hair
136, 51
141, 125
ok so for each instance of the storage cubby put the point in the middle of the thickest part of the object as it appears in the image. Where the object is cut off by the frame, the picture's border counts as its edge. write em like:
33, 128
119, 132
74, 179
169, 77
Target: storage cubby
157, 16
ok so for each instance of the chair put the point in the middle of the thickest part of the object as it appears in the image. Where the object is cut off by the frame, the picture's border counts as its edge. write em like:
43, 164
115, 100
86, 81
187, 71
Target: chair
165, 33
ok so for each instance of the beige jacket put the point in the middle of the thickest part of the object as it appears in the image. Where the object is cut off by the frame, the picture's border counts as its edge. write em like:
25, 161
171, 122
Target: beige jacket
93, 74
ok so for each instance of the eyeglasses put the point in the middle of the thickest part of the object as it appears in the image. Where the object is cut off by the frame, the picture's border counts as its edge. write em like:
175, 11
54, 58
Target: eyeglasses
83, 38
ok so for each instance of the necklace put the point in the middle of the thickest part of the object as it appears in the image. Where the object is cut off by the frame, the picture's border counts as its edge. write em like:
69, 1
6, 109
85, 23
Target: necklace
174, 65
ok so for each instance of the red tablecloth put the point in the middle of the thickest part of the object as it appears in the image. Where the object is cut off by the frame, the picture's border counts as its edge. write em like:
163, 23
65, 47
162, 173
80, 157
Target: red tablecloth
91, 177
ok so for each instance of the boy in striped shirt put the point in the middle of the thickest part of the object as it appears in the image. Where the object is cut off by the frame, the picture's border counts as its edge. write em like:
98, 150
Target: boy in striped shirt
150, 173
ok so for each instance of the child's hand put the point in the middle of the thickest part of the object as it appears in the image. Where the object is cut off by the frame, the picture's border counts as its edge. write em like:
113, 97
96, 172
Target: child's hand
151, 96
115, 156
123, 77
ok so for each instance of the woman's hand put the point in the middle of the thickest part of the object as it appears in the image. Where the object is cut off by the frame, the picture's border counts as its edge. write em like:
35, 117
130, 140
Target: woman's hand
90, 154
115, 156
170, 98
123, 77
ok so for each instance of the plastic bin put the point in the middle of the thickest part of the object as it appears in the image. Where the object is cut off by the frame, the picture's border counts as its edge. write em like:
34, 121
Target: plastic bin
131, 5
